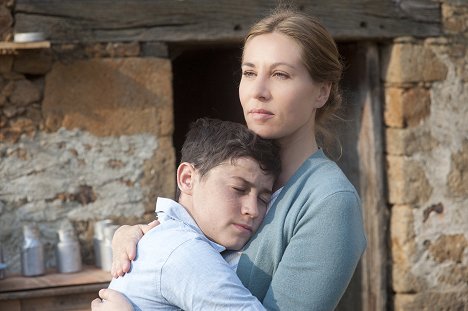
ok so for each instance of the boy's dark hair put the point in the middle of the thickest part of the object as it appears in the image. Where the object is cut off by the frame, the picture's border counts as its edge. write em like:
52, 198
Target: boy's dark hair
209, 142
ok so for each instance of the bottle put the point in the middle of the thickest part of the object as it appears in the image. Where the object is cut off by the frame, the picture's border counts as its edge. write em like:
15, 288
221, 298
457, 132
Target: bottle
68, 252
106, 249
32, 252
98, 239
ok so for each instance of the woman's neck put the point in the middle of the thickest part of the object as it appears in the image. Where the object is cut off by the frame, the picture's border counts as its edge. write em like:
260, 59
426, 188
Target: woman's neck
295, 149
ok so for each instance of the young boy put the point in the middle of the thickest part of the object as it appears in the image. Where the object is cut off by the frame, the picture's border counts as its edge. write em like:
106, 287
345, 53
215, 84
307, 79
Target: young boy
225, 182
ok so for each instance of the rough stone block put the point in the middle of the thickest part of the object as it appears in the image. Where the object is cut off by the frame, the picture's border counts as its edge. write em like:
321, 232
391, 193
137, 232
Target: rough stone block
33, 62
404, 63
24, 93
403, 250
432, 300
454, 17
407, 181
448, 248
454, 275
406, 107
6, 22
408, 141
110, 96
6, 63
457, 179
115, 49
159, 175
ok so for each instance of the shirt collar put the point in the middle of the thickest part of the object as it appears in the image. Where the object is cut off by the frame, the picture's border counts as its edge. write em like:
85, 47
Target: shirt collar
175, 211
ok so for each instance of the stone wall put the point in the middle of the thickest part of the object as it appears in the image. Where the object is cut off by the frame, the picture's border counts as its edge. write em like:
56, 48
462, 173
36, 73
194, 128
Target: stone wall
85, 134
426, 113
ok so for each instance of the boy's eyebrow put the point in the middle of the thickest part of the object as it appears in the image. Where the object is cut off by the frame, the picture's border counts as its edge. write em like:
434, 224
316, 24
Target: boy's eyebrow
263, 190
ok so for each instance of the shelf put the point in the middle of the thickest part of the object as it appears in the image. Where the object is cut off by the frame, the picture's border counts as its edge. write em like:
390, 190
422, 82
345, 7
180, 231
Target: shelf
12, 47
89, 275
53, 291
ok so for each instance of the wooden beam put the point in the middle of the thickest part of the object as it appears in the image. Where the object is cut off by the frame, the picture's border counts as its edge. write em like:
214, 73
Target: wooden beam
372, 186
220, 20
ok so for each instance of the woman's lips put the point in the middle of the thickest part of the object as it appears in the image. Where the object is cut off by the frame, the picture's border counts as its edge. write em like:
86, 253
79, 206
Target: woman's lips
261, 114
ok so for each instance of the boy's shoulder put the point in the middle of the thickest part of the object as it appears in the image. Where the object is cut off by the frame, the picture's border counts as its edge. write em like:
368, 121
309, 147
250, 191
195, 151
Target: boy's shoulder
167, 236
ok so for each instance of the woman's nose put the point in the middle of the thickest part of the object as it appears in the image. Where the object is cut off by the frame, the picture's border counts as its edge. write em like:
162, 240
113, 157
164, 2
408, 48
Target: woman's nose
261, 89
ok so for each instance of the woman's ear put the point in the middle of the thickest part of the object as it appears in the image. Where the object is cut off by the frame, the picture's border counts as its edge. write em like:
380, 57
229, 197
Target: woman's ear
324, 93
185, 177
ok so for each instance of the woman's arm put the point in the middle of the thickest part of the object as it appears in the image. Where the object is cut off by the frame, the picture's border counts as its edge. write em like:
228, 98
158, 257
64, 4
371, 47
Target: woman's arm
321, 257
124, 245
110, 300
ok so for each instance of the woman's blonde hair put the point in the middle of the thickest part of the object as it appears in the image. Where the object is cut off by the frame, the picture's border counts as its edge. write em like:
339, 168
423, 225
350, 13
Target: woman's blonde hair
319, 54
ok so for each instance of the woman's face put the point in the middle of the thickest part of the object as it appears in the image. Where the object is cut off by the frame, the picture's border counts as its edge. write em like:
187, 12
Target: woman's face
277, 93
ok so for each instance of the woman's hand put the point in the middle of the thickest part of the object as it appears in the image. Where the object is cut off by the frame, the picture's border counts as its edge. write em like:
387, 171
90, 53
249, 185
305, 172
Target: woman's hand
124, 245
111, 300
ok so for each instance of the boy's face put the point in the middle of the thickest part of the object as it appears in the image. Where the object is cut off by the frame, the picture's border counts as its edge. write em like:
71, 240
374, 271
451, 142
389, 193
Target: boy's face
230, 201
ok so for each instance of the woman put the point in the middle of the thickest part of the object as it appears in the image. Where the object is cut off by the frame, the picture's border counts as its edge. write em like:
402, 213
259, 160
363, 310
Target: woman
304, 254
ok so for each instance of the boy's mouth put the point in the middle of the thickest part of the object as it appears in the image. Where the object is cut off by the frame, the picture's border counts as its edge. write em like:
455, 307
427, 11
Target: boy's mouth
243, 227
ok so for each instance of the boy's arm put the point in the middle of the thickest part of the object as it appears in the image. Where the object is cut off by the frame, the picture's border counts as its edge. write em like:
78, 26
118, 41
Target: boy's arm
196, 277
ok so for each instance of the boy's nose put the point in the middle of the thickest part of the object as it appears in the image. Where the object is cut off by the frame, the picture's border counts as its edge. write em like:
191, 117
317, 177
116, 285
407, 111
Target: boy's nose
250, 206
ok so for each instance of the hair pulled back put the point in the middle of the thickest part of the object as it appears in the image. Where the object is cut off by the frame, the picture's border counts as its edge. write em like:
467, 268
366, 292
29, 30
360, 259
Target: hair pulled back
319, 54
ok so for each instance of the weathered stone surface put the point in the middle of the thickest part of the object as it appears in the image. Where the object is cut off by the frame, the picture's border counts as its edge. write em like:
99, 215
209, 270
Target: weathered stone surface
454, 275
6, 63
432, 300
110, 96
33, 62
25, 92
155, 49
114, 49
404, 63
449, 248
50, 178
406, 107
6, 22
457, 179
403, 250
8, 88
408, 141
407, 181
11, 111
22, 124
159, 175
454, 18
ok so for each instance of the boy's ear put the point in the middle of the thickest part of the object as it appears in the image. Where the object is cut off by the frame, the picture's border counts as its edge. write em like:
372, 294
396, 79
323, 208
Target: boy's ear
185, 177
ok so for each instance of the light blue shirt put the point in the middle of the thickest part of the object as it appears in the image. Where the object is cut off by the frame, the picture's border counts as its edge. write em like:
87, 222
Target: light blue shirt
177, 267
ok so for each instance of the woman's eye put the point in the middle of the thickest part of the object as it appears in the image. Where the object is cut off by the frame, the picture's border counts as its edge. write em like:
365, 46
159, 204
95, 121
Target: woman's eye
281, 75
248, 74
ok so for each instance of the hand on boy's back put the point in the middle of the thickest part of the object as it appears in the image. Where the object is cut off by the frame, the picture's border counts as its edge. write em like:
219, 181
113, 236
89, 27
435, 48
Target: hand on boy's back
110, 300
124, 245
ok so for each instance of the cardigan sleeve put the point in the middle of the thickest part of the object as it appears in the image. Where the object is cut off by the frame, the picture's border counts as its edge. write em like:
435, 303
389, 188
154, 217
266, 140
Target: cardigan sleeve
321, 256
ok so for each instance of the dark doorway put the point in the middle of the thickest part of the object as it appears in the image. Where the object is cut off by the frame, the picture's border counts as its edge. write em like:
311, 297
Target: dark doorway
205, 84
